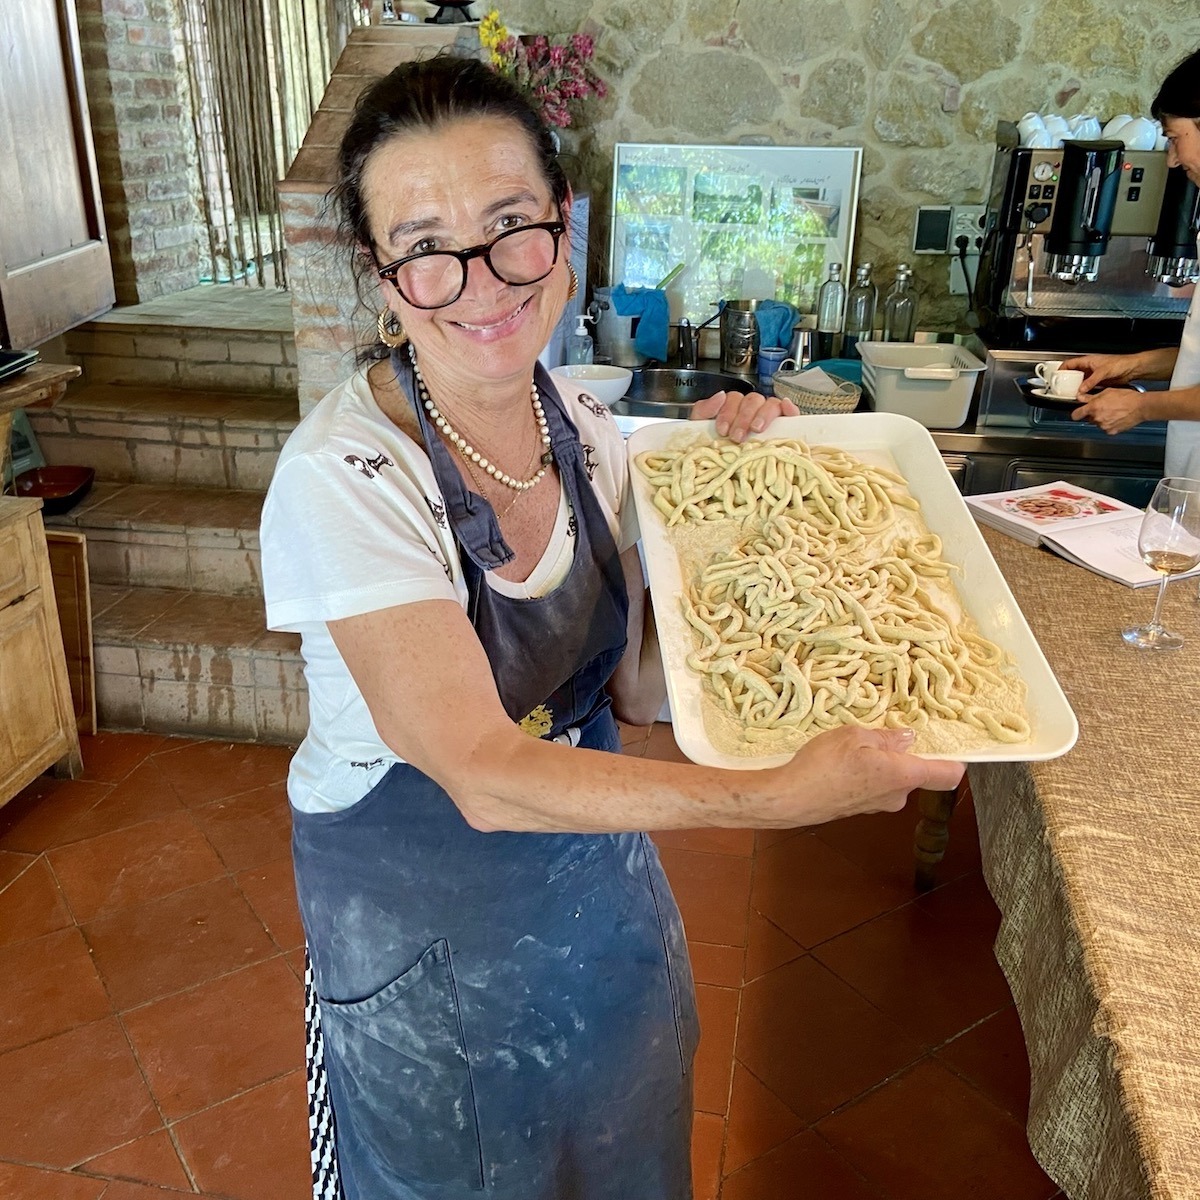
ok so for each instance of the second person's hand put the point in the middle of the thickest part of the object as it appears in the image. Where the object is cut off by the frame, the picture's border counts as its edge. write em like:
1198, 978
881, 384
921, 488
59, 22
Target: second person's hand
739, 414
1114, 409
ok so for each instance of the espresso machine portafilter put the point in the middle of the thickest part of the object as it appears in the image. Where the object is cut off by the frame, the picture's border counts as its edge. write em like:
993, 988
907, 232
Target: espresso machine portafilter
1089, 179
1171, 251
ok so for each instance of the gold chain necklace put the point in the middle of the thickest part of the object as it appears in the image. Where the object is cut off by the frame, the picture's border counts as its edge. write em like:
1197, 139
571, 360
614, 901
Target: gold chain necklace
469, 453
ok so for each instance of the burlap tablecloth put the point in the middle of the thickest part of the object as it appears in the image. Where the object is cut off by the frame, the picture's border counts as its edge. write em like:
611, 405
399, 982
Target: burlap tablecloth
1094, 861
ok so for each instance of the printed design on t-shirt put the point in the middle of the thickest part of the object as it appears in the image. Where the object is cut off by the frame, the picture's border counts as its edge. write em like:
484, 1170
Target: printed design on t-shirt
572, 524
441, 563
589, 460
366, 766
598, 407
439, 512
537, 723
370, 467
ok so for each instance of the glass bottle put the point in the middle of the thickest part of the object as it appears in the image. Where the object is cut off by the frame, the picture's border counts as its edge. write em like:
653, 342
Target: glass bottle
831, 312
860, 311
900, 308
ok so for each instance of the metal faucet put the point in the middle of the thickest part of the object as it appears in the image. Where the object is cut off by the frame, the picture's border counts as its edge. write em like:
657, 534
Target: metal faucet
689, 342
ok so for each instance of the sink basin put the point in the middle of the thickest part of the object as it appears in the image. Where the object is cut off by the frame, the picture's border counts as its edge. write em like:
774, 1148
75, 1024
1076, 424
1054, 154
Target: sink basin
667, 392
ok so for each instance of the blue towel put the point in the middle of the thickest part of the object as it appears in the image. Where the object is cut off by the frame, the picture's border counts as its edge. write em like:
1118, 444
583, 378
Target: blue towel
775, 321
650, 305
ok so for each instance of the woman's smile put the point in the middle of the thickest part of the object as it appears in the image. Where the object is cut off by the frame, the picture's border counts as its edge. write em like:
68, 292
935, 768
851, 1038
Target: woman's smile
492, 328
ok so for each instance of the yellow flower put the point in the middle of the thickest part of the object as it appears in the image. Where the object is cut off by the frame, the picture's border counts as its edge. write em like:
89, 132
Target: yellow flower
492, 32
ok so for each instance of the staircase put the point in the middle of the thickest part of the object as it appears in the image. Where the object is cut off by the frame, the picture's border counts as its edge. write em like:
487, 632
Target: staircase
182, 465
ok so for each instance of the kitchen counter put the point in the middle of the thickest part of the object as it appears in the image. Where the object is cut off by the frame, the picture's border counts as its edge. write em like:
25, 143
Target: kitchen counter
1094, 861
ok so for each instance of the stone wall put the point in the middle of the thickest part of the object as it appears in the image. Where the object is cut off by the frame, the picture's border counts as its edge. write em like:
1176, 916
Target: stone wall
919, 84
137, 92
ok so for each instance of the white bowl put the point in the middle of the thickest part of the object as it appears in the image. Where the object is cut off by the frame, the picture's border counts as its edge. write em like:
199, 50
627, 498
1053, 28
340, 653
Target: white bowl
1114, 127
608, 384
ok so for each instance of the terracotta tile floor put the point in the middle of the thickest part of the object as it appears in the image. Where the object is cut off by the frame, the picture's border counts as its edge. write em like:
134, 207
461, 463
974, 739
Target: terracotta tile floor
859, 1042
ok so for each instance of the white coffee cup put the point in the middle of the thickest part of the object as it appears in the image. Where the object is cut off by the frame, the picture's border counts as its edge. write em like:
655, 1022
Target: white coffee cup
1085, 128
1028, 125
1065, 384
1044, 370
1139, 134
1113, 128
1056, 125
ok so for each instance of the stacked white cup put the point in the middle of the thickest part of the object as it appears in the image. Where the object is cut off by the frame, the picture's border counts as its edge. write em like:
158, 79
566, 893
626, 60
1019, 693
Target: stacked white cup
1050, 131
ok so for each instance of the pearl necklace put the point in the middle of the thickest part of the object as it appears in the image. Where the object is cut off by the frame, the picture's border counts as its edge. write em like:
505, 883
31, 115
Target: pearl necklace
469, 453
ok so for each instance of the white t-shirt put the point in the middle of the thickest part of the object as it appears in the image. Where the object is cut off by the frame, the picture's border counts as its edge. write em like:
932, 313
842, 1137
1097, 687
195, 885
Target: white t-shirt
354, 521
1183, 437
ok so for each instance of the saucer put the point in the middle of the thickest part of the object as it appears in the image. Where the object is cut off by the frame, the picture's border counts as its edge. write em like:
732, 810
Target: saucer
1042, 394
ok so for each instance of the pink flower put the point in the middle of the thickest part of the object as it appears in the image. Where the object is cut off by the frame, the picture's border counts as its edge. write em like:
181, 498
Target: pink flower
552, 75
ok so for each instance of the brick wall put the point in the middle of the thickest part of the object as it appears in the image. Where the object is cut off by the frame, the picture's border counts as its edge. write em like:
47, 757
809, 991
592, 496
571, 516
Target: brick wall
141, 121
330, 322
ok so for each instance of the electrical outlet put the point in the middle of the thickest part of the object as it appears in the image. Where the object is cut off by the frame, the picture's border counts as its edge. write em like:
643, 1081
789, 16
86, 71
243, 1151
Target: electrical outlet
967, 220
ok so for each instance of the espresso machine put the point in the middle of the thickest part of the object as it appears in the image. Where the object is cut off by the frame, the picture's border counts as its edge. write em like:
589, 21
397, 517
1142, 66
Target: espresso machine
1083, 247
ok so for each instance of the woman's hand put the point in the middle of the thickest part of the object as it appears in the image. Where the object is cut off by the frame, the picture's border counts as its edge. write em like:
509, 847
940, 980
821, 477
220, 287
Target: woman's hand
1114, 409
738, 415
852, 770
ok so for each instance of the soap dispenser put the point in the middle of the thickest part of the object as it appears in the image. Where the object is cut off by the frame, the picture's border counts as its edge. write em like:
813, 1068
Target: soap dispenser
579, 345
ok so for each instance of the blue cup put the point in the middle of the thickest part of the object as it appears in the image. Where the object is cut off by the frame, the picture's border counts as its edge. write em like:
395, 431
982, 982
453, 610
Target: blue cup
770, 358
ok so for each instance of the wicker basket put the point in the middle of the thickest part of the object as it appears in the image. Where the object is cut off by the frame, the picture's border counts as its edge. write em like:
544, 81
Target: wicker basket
843, 400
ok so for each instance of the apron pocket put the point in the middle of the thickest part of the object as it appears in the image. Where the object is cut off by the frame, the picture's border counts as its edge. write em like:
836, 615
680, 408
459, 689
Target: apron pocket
399, 1061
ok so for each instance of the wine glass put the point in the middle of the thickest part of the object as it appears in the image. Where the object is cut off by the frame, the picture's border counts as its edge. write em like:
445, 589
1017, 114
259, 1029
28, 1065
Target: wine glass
1169, 542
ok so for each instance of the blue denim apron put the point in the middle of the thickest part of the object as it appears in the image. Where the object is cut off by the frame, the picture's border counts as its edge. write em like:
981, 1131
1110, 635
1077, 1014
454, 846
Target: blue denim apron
509, 1014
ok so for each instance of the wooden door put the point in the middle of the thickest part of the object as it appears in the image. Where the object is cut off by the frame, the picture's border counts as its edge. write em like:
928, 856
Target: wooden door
55, 270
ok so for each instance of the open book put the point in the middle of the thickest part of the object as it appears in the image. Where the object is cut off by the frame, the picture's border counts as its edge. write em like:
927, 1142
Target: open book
1090, 530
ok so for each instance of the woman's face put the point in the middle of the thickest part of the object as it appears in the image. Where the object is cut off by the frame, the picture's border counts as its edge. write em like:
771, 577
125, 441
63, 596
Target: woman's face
1183, 145
461, 185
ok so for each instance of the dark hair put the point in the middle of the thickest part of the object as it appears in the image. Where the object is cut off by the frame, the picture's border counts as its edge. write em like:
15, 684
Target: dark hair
421, 96
1179, 95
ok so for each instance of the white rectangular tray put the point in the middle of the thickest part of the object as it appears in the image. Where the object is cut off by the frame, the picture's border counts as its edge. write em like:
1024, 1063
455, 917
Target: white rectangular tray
981, 587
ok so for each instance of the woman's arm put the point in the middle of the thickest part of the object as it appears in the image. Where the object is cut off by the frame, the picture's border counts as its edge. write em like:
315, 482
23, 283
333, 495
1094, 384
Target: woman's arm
428, 685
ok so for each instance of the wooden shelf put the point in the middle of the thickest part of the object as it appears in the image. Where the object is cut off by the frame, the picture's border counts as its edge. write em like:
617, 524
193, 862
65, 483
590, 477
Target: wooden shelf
38, 387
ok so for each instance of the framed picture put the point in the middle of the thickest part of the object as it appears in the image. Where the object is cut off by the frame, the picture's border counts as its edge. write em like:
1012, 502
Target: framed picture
752, 222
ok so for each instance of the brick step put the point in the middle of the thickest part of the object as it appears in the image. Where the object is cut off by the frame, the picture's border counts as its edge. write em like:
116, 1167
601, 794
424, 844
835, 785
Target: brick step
174, 661
156, 435
223, 338
153, 535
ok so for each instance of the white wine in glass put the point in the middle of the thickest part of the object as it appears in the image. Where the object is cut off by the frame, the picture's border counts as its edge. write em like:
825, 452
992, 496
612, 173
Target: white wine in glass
1169, 542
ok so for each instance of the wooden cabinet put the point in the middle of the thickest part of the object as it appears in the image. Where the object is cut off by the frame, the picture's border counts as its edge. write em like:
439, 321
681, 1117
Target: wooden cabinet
37, 722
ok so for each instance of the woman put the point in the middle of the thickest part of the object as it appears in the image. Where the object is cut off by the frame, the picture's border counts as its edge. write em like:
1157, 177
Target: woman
1114, 407
504, 992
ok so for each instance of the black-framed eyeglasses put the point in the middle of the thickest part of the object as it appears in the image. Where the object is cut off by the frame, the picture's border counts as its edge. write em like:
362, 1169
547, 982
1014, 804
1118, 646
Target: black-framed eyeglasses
435, 278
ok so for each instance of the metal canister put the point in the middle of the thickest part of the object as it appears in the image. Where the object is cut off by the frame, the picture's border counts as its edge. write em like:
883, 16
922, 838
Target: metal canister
739, 336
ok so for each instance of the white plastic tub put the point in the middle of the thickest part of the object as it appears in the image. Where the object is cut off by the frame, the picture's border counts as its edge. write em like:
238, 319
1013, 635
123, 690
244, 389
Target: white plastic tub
931, 382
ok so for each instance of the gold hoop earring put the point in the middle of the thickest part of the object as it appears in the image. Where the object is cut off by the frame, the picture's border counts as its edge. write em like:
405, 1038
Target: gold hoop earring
573, 286
391, 332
